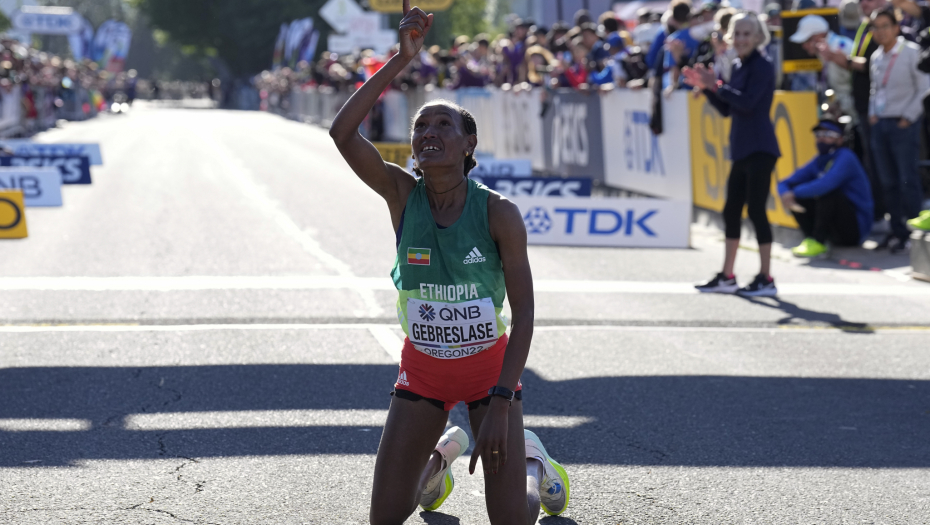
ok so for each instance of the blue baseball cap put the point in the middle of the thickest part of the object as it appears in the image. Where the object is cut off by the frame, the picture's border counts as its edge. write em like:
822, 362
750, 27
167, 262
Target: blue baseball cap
615, 40
827, 124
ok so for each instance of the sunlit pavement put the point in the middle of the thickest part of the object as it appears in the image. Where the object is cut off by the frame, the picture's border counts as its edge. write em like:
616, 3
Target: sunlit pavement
206, 335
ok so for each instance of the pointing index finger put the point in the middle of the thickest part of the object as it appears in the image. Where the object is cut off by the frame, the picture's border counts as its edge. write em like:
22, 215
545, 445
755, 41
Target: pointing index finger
406, 6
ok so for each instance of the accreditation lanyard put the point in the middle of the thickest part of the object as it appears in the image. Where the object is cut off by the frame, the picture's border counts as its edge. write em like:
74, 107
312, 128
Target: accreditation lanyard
894, 57
862, 42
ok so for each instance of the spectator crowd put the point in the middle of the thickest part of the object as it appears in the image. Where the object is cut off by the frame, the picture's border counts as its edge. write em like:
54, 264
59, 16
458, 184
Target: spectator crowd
45, 87
873, 81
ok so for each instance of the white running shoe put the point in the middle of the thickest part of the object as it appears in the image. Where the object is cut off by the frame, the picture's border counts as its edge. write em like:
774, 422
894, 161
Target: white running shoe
553, 488
451, 445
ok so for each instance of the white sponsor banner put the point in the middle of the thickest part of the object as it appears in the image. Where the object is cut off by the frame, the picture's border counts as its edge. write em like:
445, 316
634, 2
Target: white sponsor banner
583, 221
521, 127
41, 186
47, 20
380, 41
27, 148
639, 161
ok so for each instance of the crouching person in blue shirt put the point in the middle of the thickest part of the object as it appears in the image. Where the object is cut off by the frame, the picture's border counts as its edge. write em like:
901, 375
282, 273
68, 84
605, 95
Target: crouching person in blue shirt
830, 197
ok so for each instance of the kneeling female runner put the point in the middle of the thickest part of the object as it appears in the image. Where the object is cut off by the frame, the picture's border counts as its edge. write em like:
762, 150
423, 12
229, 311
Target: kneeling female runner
460, 249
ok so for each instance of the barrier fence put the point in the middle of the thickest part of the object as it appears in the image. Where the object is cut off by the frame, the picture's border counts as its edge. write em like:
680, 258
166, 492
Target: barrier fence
36, 108
604, 136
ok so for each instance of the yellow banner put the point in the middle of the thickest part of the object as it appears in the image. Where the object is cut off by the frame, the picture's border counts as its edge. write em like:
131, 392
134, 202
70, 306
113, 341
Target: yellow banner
396, 152
12, 215
397, 6
794, 115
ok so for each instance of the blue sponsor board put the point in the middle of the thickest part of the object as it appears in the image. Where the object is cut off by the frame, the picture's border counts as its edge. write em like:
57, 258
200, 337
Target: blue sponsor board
74, 170
40, 186
27, 148
538, 186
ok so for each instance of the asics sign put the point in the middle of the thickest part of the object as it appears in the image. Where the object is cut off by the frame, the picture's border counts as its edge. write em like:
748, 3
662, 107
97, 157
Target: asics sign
572, 221
538, 186
74, 170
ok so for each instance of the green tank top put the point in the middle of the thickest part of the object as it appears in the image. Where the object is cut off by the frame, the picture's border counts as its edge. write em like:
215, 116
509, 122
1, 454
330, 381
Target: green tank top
450, 282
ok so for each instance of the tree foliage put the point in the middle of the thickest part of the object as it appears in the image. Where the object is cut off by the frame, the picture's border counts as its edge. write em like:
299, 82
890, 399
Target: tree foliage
241, 33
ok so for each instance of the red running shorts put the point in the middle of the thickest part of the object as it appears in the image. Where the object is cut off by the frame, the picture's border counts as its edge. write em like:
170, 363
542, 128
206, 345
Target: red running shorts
449, 381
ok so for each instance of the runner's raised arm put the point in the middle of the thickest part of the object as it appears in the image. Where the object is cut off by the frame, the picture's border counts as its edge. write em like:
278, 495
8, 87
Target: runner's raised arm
385, 178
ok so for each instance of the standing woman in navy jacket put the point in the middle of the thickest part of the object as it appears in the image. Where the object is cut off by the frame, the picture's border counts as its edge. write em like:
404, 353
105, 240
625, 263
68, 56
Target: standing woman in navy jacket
747, 99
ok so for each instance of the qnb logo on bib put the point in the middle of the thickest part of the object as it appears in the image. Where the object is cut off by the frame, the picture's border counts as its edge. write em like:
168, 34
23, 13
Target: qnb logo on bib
569, 134
451, 330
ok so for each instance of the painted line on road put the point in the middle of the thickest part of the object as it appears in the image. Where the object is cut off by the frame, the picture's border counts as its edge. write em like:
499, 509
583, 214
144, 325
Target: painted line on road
44, 425
388, 340
371, 284
394, 342
299, 418
236, 171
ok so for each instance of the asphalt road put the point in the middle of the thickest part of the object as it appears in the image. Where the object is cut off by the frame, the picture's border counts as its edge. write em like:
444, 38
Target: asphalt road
206, 335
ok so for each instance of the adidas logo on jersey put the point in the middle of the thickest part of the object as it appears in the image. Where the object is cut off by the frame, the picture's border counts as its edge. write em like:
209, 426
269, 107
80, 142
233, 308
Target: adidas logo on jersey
402, 379
474, 256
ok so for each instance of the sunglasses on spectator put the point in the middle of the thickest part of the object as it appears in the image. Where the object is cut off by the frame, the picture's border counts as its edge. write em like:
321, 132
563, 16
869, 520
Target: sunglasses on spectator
827, 135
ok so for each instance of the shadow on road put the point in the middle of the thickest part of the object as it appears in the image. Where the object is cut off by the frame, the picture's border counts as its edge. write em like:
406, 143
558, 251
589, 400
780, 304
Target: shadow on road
438, 518
655, 420
796, 313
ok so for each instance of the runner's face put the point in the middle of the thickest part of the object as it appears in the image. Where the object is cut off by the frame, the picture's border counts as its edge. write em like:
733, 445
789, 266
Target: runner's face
438, 138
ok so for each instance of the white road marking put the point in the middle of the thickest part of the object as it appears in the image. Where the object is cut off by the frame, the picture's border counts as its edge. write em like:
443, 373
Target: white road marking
236, 172
44, 425
388, 340
371, 284
300, 418
372, 327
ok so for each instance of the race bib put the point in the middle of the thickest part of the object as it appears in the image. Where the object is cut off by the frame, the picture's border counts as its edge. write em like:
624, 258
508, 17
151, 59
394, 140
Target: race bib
451, 330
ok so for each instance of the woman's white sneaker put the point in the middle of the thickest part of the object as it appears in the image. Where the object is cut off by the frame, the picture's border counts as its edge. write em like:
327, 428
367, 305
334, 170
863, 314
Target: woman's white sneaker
553, 488
451, 445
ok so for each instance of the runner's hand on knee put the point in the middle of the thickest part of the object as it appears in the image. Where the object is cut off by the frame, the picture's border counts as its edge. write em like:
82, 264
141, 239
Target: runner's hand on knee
491, 438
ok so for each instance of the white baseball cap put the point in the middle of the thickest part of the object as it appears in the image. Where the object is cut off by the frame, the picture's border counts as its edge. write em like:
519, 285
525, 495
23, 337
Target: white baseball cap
809, 26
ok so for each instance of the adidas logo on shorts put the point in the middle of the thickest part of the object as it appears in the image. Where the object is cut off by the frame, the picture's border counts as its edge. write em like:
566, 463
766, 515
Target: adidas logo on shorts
402, 379
474, 256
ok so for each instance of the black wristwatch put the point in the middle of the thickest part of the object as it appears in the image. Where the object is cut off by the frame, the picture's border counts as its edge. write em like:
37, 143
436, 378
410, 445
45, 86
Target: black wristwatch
505, 393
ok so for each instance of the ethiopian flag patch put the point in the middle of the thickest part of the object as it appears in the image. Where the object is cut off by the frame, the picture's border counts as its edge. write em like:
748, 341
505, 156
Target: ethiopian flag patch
418, 256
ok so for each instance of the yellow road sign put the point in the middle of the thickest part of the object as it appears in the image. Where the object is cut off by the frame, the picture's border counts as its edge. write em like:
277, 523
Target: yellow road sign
794, 114
397, 6
12, 215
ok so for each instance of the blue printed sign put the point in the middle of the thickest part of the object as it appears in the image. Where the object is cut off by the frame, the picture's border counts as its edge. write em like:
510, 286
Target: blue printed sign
538, 186
27, 148
40, 186
74, 170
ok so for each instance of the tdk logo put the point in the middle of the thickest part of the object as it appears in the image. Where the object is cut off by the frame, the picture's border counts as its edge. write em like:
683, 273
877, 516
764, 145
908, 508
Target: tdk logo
595, 221
641, 146
569, 134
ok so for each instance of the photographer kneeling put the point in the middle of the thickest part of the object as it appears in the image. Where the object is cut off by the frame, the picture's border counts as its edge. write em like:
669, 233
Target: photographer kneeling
830, 197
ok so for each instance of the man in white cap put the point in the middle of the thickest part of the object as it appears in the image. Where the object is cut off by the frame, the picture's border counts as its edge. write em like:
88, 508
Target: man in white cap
815, 36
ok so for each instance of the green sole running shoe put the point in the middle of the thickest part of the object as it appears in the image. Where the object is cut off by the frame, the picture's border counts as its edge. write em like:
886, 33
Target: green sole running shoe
809, 248
921, 222
553, 488
451, 445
